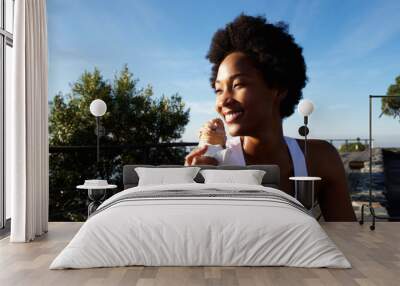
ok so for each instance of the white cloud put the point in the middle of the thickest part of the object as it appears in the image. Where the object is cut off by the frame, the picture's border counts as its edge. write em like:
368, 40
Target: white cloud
202, 107
378, 26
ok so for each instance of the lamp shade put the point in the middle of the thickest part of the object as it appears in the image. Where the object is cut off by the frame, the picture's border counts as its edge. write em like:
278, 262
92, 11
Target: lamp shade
98, 107
305, 107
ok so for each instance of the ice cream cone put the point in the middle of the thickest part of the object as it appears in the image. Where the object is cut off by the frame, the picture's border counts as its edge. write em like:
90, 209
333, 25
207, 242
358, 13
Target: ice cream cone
213, 133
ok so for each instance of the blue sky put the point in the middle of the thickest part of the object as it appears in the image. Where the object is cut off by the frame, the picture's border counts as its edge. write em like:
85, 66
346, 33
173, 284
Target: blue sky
352, 49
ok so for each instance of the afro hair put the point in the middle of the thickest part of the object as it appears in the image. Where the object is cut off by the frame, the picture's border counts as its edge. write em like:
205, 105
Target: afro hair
272, 49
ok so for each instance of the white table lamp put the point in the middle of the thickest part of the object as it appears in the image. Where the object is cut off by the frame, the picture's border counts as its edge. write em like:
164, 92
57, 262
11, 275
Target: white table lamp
305, 108
98, 108
304, 186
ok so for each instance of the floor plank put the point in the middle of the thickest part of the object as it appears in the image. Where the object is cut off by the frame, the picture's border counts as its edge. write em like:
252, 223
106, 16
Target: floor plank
374, 255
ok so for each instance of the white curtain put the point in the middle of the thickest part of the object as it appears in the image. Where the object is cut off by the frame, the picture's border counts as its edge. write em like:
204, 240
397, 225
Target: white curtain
26, 124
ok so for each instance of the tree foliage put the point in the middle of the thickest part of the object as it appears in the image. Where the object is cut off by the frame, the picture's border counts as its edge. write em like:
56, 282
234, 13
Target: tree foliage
134, 116
391, 105
352, 147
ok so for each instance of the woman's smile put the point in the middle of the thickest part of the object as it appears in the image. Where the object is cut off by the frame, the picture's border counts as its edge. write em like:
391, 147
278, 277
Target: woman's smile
233, 116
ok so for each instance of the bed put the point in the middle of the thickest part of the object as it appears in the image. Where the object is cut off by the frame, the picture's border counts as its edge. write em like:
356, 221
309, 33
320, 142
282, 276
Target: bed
198, 224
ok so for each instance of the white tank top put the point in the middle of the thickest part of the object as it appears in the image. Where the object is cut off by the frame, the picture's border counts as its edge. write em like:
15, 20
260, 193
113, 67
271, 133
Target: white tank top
234, 155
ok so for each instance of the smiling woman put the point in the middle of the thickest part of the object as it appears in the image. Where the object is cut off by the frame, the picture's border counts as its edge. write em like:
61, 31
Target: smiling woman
258, 74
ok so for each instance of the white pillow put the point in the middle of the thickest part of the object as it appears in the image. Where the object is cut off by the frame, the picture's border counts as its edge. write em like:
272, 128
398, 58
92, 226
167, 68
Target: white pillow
249, 177
163, 176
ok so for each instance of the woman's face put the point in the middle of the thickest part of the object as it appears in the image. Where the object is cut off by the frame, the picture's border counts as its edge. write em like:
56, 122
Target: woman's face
243, 98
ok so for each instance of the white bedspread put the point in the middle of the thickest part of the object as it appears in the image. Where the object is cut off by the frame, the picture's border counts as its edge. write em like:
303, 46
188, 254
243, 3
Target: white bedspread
200, 231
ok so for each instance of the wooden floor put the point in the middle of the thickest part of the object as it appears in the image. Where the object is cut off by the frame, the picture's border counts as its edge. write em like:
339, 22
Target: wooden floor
375, 256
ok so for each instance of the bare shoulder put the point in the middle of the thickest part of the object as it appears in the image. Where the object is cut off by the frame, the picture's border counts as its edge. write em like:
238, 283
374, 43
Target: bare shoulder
322, 156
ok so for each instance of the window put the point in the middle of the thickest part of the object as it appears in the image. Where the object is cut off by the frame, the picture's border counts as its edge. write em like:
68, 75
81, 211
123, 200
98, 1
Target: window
9, 19
6, 43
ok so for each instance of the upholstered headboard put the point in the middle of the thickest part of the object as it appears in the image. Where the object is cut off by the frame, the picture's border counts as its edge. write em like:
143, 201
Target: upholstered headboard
270, 179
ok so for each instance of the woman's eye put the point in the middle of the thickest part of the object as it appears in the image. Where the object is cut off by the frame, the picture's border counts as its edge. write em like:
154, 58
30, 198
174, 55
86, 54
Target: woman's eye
238, 85
218, 91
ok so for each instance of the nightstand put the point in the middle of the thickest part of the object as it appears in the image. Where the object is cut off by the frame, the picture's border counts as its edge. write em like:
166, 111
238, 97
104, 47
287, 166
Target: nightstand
96, 195
304, 191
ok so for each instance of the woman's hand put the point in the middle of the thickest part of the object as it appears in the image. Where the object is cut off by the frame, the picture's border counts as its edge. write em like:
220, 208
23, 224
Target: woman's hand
213, 132
196, 158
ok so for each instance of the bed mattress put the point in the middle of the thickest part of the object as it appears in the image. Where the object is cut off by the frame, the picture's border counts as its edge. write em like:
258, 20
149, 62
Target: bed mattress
201, 225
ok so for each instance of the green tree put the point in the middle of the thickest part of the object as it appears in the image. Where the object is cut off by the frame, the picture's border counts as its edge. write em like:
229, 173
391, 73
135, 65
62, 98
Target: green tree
134, 116
352, 147
391, 105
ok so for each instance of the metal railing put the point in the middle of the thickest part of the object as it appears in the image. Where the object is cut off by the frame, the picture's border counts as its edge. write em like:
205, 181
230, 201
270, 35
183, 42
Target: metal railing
347, 141
62, 149
71, 165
